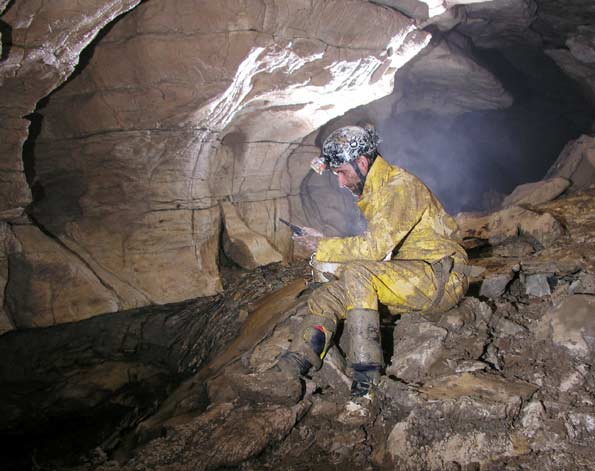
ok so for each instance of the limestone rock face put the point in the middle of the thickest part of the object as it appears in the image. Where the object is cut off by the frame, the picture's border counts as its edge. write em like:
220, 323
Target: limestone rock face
181, 105
500, 23
47, 38
576, 163
244, 246
447, 80
583, 74
46, 274
6, 323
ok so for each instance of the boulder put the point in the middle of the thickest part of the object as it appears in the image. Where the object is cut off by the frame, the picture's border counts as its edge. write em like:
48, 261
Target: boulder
244, 246
576, 163
537, 285
494, 285
537, 193
506, 225
429, 437
515, 221
418, 345
431, 346
571, 325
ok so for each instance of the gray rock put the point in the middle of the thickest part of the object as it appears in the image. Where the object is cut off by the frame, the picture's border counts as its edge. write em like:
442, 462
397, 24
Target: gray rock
585, 284
500, 23
495, 286
580, 426
507, 328
532, 418
571, 325
537, 285
418, 345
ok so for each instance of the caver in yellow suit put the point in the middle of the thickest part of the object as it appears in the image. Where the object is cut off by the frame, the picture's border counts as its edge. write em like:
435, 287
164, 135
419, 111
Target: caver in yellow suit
409, 259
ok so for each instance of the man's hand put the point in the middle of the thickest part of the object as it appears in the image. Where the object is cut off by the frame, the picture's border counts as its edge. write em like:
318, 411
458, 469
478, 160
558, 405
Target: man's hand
310, 238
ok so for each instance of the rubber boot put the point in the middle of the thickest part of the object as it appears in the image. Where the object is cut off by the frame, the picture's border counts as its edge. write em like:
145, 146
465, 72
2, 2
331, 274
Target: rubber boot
365, 350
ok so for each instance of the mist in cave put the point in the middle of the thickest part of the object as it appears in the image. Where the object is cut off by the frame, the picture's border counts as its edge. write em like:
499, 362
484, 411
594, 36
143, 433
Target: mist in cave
471, 161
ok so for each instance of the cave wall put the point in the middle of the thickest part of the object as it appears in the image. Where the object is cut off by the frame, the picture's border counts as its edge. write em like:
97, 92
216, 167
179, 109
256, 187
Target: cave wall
126, 124
179, 105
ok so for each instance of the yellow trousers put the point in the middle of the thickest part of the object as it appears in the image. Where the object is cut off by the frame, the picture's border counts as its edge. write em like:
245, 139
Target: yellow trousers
402, 285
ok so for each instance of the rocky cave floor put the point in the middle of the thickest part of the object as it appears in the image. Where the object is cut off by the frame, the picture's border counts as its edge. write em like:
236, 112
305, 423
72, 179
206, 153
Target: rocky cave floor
504, 381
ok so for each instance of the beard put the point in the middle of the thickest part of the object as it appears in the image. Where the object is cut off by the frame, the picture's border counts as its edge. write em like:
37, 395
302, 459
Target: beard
356, 189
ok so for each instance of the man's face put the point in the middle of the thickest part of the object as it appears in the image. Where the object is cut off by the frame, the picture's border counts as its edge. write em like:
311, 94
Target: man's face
347, 178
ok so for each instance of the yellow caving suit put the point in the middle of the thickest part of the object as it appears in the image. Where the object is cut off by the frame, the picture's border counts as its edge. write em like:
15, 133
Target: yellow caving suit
408, 224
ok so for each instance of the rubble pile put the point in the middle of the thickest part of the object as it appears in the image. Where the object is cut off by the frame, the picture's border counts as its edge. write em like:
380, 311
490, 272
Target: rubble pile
502, 381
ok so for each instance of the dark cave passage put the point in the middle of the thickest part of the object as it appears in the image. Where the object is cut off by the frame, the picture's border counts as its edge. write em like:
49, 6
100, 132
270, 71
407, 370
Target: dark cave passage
474, 159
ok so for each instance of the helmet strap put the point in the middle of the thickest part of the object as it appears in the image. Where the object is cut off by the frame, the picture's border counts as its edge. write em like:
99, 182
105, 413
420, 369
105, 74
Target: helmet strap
362, 178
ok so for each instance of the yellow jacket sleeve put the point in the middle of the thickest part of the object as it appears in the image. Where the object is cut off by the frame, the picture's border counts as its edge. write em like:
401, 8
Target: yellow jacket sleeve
392, 212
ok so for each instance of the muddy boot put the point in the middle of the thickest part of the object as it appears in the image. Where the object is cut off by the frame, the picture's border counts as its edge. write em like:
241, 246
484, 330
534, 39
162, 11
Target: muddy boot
365, 350
364, 376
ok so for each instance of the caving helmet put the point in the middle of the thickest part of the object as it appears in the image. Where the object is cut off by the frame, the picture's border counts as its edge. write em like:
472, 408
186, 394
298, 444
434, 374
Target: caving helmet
346, 144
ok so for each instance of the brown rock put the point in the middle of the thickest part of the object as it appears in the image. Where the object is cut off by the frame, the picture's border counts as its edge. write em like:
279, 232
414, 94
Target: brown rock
511, 222
537, 193
482, 386
223, 436
244, 246
50, 284
473, 225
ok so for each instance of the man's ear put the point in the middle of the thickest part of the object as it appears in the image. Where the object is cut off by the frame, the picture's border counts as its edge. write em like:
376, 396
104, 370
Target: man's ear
364, 164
